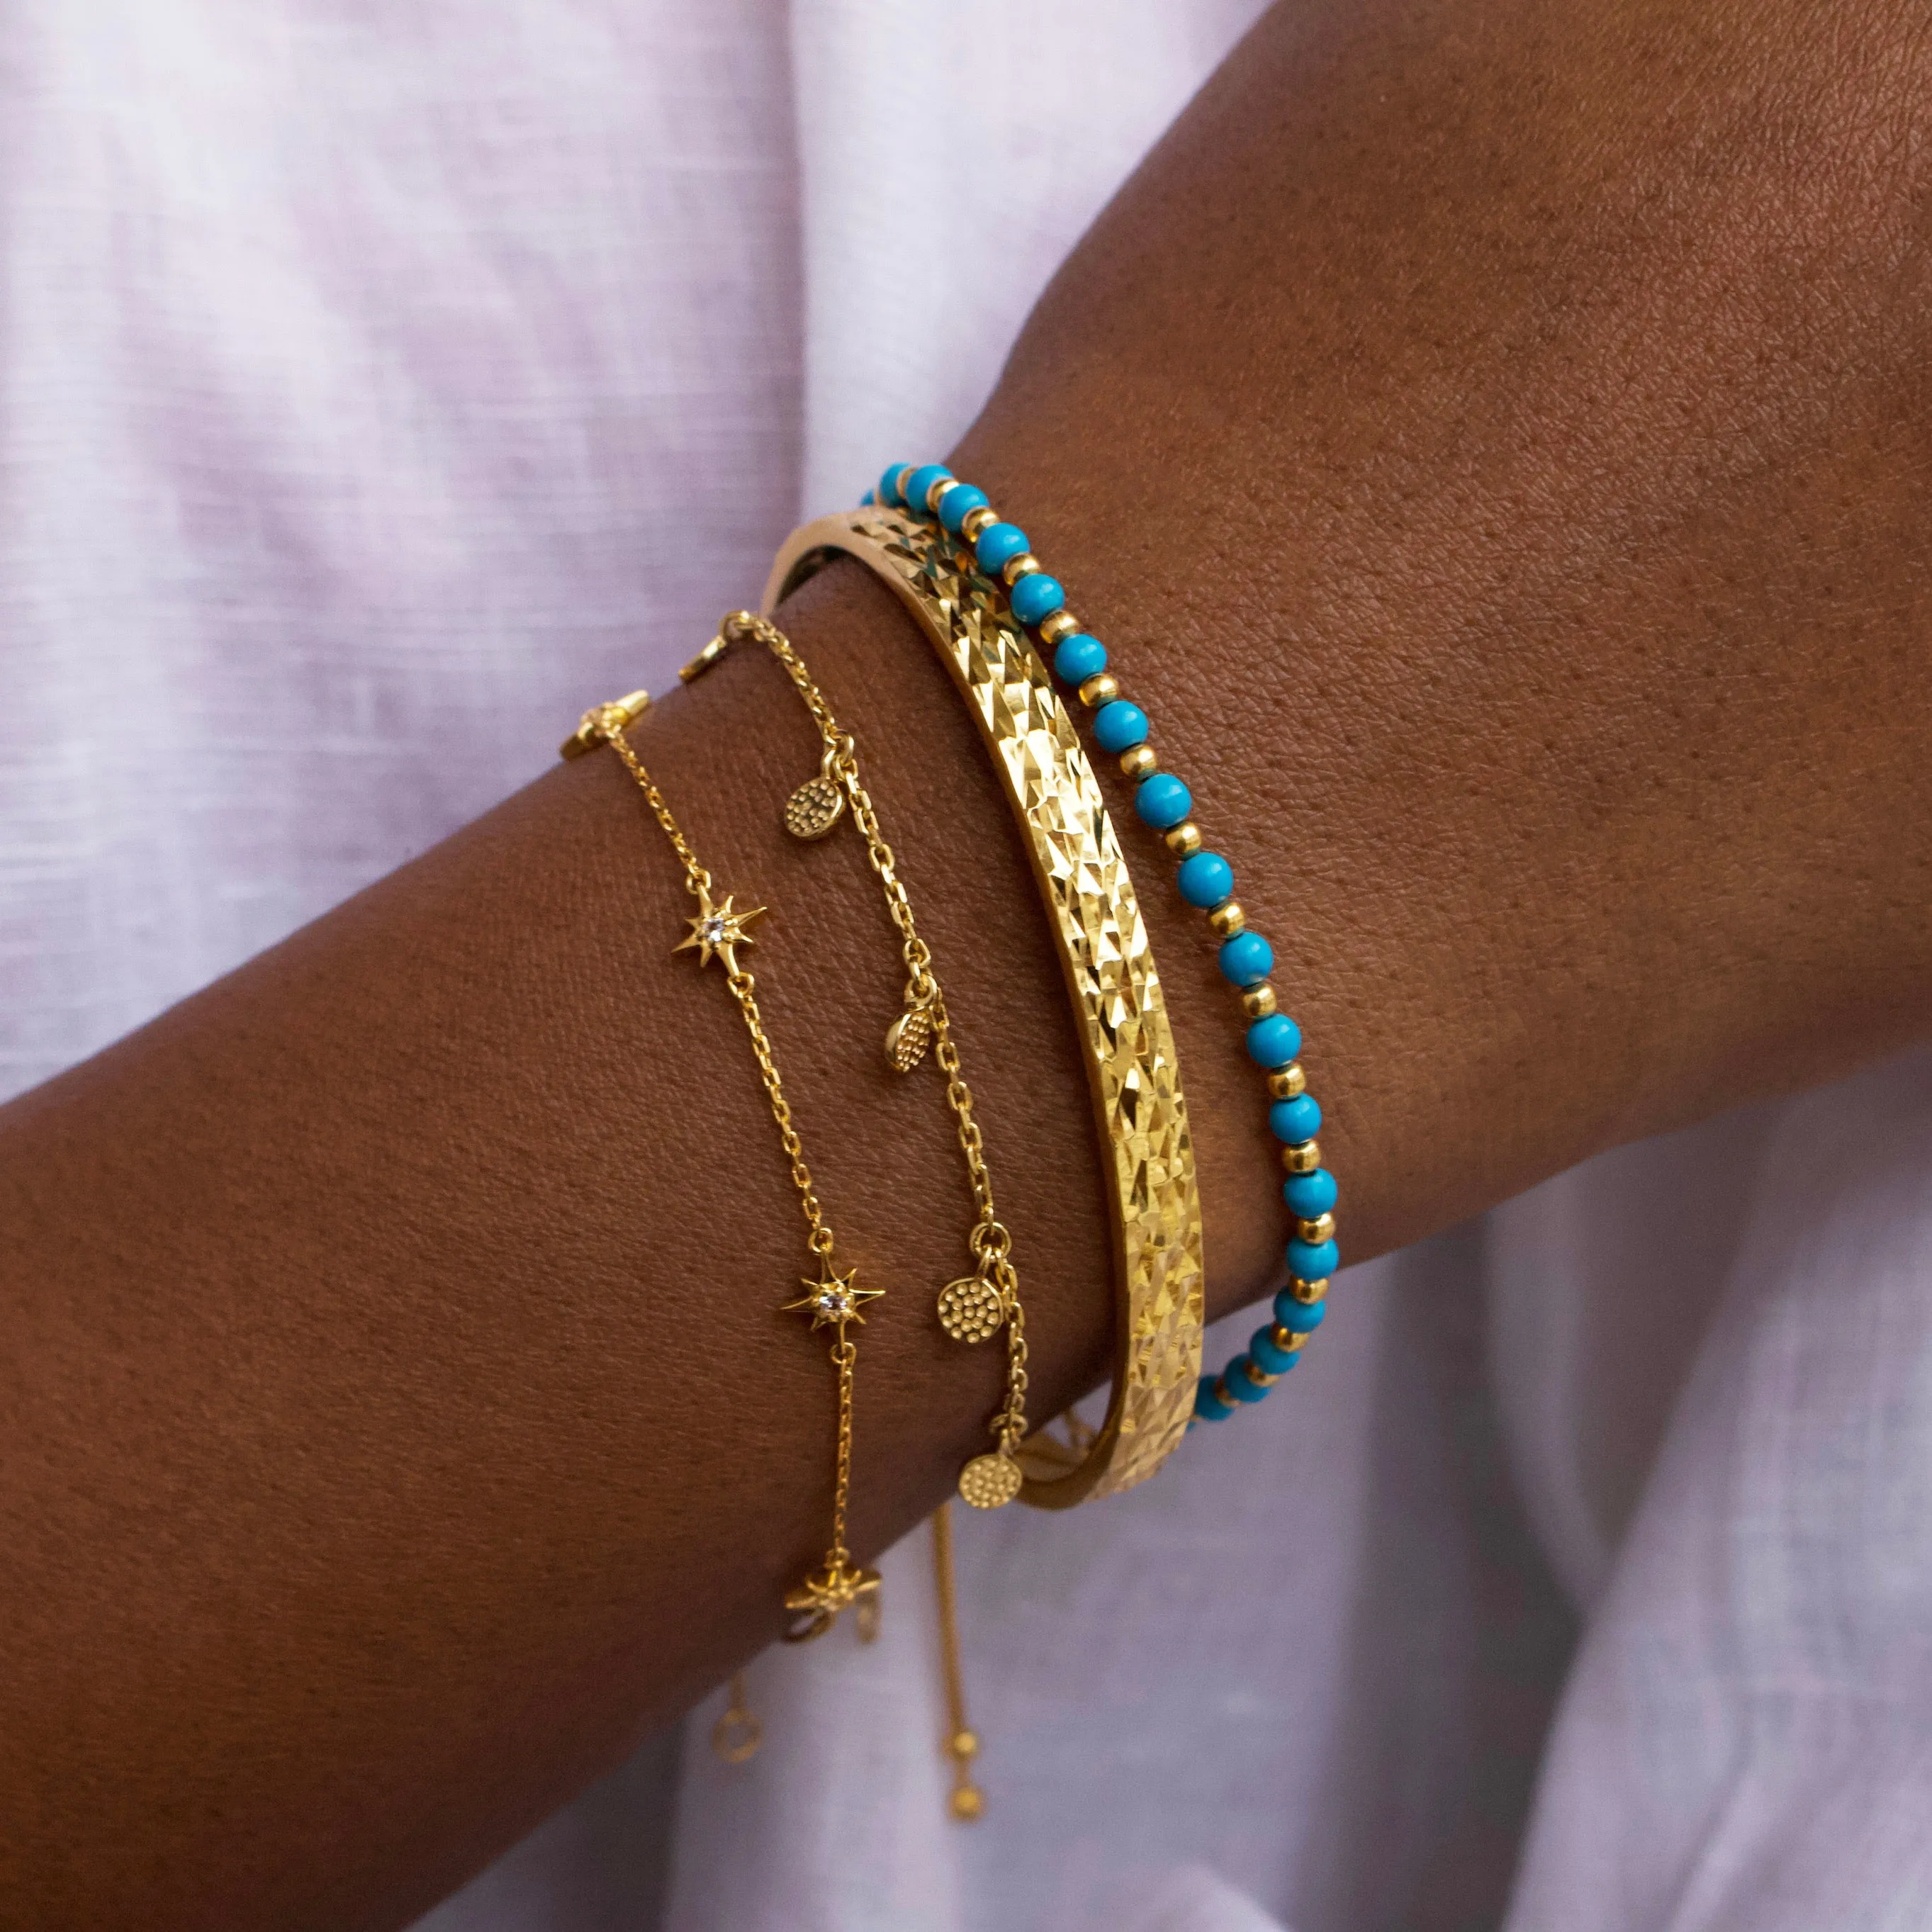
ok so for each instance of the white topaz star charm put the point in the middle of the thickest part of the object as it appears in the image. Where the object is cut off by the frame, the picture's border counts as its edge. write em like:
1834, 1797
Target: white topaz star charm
718, 931
836, 1298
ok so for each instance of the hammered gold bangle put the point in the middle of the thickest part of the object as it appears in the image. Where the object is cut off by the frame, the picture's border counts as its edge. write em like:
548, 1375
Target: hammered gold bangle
1127, 1044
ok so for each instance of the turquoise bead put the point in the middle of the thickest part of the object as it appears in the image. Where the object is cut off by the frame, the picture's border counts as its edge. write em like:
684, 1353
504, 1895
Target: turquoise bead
1239, 1386
1312, 1261
1247, 958
1298, 1318
1207, 1404
1162, 800
1274, 1360
1035, 597
1079, 657
1310, 1194
1206, 879
1274, 1042
999, 543
1295, 1121
958, 503
922, 480
888, 486
1120, 726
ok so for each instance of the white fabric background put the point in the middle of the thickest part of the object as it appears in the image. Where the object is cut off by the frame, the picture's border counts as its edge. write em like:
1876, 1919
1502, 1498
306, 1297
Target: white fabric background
376, 381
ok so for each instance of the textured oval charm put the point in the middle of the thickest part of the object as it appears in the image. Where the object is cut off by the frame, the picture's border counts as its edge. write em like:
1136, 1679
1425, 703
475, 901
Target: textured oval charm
987, 1482
908, 1038
971, 1309
814, 809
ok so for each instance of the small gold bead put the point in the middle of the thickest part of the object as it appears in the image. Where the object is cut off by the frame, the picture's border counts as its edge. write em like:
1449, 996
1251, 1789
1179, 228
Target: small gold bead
976, 521
943, 488
1227, 919
1102, 688
1062, 624
900, 479
1184, 840
968, 1803
1289, 1340
1286, 1084
1137, 762
1303, 1160
1258, 1002
963, 1744
1258, 1376
1314, 1232
1308, 1292
1015, 568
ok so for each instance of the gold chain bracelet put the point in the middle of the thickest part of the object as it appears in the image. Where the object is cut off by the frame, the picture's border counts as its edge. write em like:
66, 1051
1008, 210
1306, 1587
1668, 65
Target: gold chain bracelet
977, 1306
834, 1300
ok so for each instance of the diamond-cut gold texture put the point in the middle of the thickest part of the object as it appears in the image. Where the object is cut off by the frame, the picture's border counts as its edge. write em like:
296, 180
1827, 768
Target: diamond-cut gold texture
1128, 1045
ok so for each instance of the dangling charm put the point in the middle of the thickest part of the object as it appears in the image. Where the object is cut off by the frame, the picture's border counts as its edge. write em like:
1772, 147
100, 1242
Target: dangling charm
971, 1309
910, 1034
817, 805
991, 1481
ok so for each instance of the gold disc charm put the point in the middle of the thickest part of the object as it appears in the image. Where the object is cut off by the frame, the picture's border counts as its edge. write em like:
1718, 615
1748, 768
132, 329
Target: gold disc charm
988, 1482
971, 1309
814, 808
908, 1038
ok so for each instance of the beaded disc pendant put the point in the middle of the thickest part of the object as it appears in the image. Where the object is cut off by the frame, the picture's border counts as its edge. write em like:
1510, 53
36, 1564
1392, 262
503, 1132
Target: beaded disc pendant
814, 808
971, 1309
989, 1482
908, 1038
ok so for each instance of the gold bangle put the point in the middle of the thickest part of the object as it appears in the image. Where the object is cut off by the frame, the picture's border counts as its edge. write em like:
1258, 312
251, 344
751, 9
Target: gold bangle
1133, 1069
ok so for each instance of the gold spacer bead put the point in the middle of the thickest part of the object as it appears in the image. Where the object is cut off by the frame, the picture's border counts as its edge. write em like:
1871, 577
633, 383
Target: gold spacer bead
975, 522
1258, 1002
1314, 1232
1184, 840
968, 1803
941, 488
1102, 688
1286, 1084
1221, 1394
963, 1744
901, 477
1015, 568
1063, 623
1138, 762
1303, 1160
1258, 1376
1308, 1292
1227, 919
1288, 1339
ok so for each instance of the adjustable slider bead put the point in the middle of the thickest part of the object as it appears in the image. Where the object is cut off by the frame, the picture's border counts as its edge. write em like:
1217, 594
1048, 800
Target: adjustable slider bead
922, 485
1309, 1195
1258, 1002
996, 544
1289, 1082
957, 502
1320, 1228
1298, 1318
1184, 840
1161, 800
1274, 1042
1304, 1159
976, 523
1023, 563
1061, 624
1139, 762
1207, 1406
1239, 1384
1297, 1120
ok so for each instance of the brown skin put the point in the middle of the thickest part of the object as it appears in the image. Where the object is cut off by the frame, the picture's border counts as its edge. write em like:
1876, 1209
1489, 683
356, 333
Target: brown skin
1494, 438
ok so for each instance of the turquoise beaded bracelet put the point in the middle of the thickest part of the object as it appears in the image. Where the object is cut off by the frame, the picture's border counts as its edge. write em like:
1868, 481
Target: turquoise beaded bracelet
1164, 803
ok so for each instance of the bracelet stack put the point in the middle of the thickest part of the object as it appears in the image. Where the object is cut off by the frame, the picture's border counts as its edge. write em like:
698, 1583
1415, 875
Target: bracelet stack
1164, 803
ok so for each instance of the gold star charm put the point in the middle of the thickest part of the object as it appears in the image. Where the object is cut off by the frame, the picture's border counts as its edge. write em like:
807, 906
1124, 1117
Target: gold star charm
825, 1593
718, 930
835, 1298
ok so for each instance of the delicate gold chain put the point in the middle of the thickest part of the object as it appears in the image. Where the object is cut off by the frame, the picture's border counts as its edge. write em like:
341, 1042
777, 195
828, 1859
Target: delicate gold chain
966, 1802
991, 1242
835, 1299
